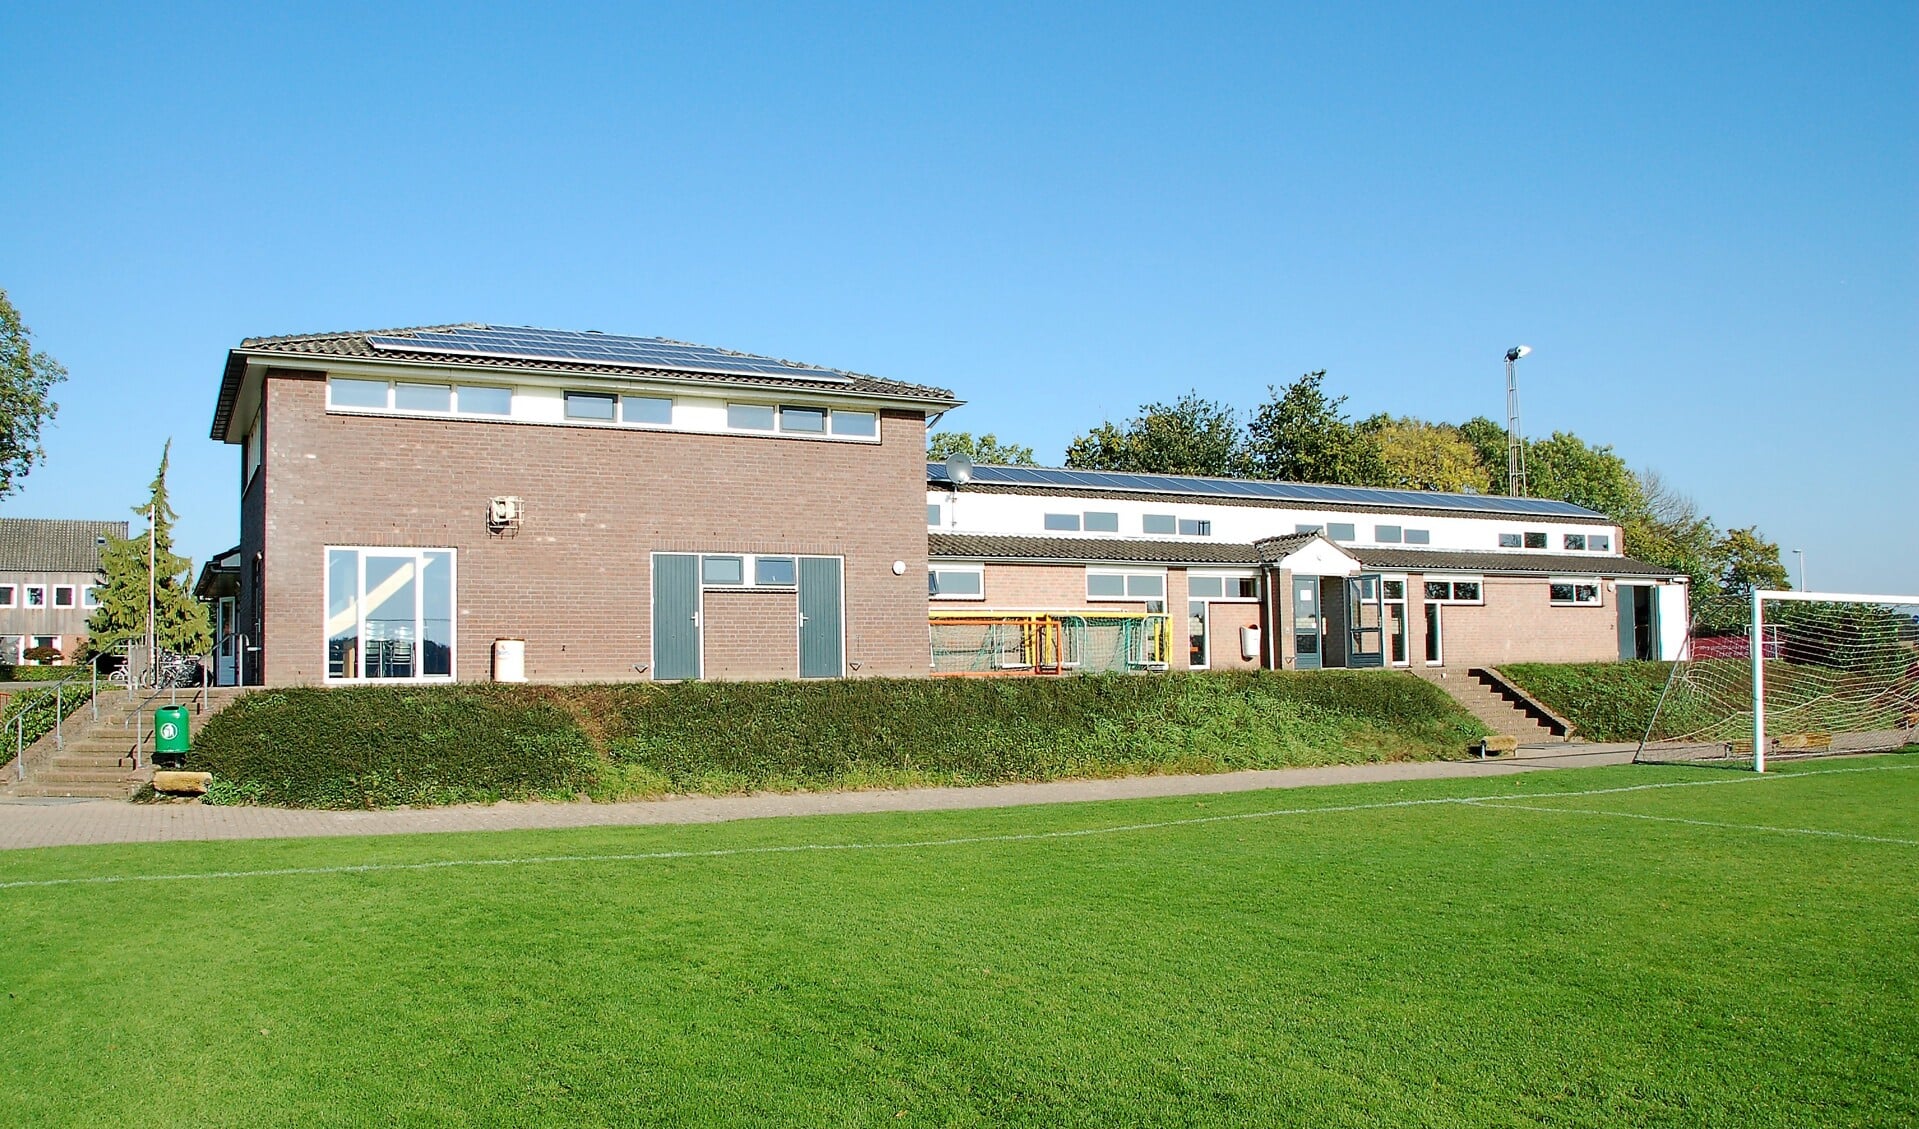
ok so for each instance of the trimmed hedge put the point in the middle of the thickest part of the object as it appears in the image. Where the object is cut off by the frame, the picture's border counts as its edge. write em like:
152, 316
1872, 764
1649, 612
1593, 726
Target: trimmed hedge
11, 673
378, 746
367, 747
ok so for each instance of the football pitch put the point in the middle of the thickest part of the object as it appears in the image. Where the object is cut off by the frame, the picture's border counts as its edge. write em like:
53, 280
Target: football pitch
1616, 946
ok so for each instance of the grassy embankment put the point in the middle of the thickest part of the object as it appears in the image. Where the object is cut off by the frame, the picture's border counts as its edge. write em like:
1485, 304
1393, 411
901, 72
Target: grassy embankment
382, 746
1615, 701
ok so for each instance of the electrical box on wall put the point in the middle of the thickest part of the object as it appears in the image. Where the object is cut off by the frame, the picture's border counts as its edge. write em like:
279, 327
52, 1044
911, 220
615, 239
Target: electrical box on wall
503, 514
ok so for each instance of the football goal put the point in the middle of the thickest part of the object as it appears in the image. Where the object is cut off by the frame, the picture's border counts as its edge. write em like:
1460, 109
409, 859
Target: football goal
1790, 674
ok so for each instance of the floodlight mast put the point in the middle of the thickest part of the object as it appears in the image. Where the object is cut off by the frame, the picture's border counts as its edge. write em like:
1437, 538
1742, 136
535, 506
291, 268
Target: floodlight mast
1516, 484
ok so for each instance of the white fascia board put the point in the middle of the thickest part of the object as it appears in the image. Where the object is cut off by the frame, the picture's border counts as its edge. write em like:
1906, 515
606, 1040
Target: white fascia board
456, 373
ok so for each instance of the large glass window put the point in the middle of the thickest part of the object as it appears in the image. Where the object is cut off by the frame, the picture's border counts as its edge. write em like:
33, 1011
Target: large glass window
1386, 534
1062, 522
1195, 527
1111, 584
1599, 542
389, 613
1159, 523
722, 570
1340, 531
1574, 592
1097, 522
1536, 539
1574, 541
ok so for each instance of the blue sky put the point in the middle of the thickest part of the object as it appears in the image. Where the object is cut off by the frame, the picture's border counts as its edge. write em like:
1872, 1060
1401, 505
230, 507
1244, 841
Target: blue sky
1702, 219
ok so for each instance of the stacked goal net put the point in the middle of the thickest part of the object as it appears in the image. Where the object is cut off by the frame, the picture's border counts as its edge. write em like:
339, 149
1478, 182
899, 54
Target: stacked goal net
1790, 674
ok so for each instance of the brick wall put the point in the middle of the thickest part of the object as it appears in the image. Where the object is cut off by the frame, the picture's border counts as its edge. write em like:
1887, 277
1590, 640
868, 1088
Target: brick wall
574, 581
1518, 623
750, 632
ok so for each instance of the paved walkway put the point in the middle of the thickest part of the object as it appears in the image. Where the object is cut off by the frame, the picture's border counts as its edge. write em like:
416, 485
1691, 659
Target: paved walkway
59, 823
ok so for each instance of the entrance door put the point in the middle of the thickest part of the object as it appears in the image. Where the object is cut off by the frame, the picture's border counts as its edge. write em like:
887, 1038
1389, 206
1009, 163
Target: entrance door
1197, 656
1365, 622
226, 645
1638, 622
1435, 649
1306, 625
676, 616
822, 635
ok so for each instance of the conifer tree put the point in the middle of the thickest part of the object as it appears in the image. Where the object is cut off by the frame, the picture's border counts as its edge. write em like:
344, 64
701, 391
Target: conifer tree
179, 620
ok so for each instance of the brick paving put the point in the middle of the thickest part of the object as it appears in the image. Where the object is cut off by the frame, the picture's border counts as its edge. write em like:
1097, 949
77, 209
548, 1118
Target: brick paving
58, 823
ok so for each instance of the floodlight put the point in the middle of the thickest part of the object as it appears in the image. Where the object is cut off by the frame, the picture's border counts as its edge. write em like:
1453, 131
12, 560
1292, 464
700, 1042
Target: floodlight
1518, 351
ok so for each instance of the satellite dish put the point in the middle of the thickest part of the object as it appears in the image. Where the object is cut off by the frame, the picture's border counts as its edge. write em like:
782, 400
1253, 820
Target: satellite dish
959, 469
1518, 351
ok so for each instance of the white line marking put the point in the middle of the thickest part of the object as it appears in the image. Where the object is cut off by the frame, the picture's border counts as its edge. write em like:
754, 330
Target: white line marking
1699, 822
917, 844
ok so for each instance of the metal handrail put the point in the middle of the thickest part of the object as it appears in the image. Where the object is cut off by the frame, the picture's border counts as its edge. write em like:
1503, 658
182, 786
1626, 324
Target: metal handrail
59, 689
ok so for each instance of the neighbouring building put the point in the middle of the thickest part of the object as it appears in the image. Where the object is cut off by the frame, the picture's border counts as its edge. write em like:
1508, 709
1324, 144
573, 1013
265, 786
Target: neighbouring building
1042, 568
609, 507
471, 502
49, 569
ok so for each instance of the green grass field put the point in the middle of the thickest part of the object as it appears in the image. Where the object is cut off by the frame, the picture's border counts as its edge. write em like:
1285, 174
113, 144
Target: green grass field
1622, 946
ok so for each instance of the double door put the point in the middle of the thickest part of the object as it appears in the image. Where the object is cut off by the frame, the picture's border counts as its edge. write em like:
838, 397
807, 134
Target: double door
1339, 622
679, 636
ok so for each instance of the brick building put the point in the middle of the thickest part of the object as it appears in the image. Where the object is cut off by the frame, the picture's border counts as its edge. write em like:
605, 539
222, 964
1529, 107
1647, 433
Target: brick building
1223, 574
48, 571
612, 507
472, 502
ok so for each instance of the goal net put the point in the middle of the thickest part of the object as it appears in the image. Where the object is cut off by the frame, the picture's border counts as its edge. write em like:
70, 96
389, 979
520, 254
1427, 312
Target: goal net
1790, 674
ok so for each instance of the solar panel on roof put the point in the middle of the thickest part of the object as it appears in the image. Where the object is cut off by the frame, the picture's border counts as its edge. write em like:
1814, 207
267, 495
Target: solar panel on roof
526, 343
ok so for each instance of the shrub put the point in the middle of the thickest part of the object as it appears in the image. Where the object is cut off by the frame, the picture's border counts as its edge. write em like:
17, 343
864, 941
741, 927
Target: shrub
386, 746
372, 746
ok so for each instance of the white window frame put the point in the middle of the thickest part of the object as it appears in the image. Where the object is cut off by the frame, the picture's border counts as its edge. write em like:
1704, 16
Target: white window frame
976, 570
1451, 580
73, 596
26, 597
1605, 548
1128, 575
1404, 603
89, 596
1231, 577
749, 570
12, 597
830, 429
359, 610
1566, 546
1598, 586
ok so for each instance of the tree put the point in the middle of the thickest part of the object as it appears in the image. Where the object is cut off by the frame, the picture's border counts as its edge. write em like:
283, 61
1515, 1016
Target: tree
1747, 561
179, 620
1189, 436
1301, 435
985, 449
27, 378
1488, 437
1417, 455
1564, 467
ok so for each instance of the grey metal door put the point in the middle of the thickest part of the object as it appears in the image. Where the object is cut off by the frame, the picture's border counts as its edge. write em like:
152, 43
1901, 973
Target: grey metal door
1306, 622
822, 647
1626, 604
676, 616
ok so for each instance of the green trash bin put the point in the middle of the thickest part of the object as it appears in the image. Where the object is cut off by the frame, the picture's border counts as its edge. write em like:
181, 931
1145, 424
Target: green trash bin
171, 740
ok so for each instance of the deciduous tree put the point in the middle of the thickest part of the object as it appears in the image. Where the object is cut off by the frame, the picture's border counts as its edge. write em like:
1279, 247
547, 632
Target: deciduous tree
27, 377
1301, 435
984, 449
1188, 436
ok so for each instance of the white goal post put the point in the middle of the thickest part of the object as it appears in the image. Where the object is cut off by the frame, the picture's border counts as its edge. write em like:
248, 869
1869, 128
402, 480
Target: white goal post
1790, 674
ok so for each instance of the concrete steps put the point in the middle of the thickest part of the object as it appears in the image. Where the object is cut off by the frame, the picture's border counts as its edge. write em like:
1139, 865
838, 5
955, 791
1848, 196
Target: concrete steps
95, 759
1484, 697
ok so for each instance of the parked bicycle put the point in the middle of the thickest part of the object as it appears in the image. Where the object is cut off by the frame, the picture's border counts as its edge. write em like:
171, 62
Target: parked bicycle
169, 671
